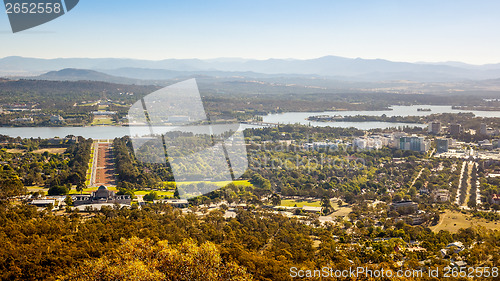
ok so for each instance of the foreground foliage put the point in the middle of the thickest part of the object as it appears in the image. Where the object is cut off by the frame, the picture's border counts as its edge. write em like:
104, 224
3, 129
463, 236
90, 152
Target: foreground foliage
38, 245
140, 259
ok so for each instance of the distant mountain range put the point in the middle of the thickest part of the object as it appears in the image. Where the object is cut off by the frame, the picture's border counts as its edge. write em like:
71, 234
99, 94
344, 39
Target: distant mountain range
142, 76
72, 74
338, 68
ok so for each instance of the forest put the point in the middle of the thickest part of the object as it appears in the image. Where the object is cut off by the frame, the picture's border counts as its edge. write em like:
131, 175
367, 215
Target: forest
58, 172
254, 245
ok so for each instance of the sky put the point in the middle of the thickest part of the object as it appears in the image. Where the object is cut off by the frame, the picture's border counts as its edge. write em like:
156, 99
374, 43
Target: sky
399, 30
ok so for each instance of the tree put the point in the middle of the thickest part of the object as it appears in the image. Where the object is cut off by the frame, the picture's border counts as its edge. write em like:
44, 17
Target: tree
170, 185
326, 206
80, 187
340, 203
68, 201
11, 187
126, 191
39, 194
261, 182
275, 199
58, 190
140, 259
153, 195
397, 197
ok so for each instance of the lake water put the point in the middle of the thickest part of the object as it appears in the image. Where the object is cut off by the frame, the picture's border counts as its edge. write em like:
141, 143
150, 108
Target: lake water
300, 117
103, 132
98, 132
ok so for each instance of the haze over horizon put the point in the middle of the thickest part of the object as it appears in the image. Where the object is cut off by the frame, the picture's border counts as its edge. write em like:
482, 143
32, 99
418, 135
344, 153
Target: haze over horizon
256, 59
430, 31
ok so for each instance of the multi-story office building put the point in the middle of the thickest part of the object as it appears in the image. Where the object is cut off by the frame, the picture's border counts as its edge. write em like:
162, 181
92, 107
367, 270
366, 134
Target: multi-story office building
483, 130
414, 143
455, 129
434, 127
442, 145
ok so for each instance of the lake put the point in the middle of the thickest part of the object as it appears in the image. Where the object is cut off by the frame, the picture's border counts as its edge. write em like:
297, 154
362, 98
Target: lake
106, 132
300, 117
96, 132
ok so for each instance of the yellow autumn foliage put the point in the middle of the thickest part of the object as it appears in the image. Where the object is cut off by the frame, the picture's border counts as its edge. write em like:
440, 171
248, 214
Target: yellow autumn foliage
141, 260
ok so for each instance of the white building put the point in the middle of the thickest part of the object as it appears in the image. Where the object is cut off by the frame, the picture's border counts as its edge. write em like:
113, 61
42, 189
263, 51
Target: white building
56, 119
25, 119
372, 142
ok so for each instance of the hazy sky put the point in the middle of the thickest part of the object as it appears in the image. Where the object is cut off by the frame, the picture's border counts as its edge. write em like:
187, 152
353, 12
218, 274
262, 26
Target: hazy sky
398, 30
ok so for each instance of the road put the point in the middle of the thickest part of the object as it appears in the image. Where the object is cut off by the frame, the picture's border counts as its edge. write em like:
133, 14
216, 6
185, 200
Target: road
103, 171
457, 199
467, 195
417, 177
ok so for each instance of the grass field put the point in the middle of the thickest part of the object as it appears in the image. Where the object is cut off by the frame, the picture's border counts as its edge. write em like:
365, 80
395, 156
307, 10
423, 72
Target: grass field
452, 221
166, 193
218, 183
15, 150
159, 192
341, 212
57, 150
51, 150
89, 169
300, 203
102, 121
34, 188
87, 104
91, 189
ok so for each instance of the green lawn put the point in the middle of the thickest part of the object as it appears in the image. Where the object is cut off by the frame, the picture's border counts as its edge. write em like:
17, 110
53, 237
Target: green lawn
102, 121
218, 183
89, 170
91, 189
300, 203
86, 104
168, 193
159, 192
34, 188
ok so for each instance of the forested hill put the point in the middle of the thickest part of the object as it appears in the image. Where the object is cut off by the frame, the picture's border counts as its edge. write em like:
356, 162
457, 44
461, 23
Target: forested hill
41, 91
73, 74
